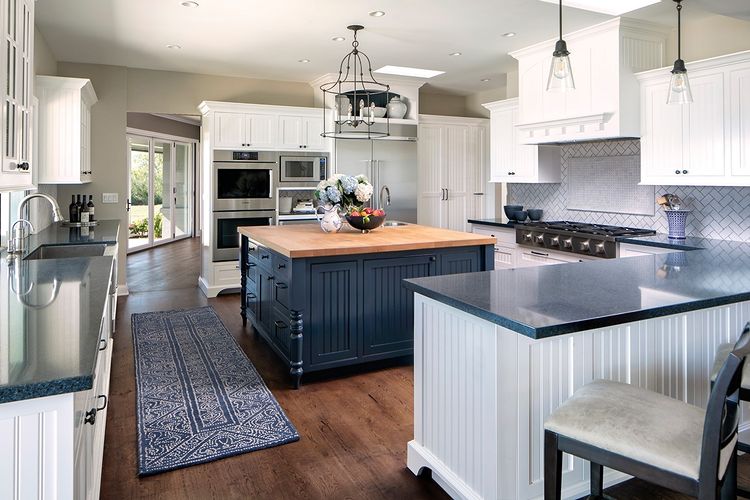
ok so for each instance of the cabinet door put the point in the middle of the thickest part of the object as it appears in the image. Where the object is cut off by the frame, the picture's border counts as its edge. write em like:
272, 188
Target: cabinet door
661, 133
261, 130
739, 121
704, 131
229, 130
388, 320
85, 143
334, 311
504, 148
460, 262
455, 177
265, 299
431, 161
504, 258
290, 132
313, 127
477, 169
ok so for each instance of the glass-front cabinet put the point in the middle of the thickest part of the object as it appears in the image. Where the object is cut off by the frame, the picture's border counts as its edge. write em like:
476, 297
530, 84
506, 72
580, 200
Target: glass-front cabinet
17, 76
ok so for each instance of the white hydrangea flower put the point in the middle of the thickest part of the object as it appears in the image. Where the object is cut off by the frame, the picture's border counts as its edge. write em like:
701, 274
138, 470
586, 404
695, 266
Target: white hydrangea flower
363, 193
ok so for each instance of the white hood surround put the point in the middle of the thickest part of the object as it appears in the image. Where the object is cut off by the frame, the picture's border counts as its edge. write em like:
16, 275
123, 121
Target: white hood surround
605, 102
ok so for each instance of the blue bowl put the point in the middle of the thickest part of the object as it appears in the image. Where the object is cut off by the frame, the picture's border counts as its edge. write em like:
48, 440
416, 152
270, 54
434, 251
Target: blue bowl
511, 209
520, 215
535, 213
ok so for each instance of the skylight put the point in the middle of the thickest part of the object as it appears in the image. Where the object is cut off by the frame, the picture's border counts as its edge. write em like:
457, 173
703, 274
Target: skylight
612, 8
404, 71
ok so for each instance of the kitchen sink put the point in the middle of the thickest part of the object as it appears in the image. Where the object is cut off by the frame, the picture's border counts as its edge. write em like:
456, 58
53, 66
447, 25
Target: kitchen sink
67, 251
395, 223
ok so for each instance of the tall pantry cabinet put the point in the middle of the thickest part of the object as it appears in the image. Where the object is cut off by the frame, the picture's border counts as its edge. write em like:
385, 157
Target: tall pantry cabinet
453, 156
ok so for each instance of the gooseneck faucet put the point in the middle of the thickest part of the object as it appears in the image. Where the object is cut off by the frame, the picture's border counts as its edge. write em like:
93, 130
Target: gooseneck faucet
387, 192
18, 243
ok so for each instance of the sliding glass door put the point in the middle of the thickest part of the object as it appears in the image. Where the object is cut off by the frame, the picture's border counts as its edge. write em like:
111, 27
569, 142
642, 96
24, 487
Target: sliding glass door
159, 200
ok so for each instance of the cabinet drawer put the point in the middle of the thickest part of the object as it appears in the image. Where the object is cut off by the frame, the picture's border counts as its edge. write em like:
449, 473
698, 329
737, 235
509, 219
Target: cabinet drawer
252, 249
253, 302
280, 326
227, 273
281, 292
252, 271
265, 258
503, 235
282, 267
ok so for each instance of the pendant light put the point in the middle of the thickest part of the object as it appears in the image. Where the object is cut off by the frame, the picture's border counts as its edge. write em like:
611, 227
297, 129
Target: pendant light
354, 96
679, 84
560, 72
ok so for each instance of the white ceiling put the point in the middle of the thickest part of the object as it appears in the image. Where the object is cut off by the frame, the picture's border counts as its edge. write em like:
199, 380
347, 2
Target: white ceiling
265, 39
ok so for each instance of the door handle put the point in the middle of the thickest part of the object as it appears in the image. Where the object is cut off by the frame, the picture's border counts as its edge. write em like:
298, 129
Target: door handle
128, 204
279, 324
447, 194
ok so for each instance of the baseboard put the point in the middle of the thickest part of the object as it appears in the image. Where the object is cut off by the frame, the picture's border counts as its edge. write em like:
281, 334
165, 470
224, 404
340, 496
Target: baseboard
122, 290
213, 291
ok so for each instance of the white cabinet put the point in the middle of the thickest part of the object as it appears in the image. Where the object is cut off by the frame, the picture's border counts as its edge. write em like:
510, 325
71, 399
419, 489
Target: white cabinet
703, 143
452, 175
634, 250
64, 130
603, 105
510, 159
261, 127
16, 73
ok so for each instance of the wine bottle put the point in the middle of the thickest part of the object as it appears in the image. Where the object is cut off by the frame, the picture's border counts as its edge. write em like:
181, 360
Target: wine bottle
85, 218
90, 206
79, 204
73, 209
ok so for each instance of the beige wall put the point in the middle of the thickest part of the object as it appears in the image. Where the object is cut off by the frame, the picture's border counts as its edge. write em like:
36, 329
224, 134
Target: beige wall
44, 62
709, 37
161, 125
442, 104
151, 91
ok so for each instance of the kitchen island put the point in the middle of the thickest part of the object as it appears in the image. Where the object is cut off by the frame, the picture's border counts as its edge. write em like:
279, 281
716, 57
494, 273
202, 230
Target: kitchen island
324, 301
496, 352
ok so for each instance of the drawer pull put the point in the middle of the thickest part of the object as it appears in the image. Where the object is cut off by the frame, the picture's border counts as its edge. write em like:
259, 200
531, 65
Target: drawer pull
237, 266
279, 324
104, 342
271, 278
106, 400
264, 256
251, 264
252, 296
90, 417
541, 254
283, 286
282, 266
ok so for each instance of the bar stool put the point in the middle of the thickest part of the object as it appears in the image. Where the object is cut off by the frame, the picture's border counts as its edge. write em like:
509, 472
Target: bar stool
721, 355
649, 435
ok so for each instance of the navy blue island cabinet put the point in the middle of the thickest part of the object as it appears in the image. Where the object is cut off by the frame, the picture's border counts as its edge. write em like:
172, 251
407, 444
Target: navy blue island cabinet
323, 306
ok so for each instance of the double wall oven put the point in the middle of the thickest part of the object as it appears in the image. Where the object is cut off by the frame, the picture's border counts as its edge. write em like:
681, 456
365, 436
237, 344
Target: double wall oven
244, 195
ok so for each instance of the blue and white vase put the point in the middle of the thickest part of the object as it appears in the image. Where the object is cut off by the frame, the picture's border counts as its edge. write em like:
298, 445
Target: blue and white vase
677, 219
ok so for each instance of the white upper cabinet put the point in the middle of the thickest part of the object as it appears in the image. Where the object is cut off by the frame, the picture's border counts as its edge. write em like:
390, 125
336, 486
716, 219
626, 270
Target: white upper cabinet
64, 130
604, 103
513, 161
262, 127
17, 75
705, 142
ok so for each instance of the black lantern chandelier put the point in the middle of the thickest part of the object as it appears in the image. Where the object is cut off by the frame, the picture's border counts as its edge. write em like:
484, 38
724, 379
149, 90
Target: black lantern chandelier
679, 84
560, 72
356, 97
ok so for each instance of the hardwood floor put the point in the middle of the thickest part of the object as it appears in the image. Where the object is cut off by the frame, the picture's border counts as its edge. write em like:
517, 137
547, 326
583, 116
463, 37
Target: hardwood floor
353, 428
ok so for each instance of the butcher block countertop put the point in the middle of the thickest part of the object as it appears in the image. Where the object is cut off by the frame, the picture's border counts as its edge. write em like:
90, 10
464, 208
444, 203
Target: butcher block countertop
307, 240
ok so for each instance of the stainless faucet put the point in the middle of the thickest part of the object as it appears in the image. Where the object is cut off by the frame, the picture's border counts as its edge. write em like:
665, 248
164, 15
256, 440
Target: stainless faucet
17, 244
387, 192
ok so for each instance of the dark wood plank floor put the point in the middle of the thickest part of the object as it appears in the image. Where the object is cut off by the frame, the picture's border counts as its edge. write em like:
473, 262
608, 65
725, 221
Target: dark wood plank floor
353, 429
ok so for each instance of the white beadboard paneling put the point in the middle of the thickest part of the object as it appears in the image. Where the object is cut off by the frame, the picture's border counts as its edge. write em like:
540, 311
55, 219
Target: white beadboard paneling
718, 212
482, 392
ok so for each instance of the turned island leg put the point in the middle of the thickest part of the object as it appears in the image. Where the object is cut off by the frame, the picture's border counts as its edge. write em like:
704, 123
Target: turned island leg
243, 279
295, 350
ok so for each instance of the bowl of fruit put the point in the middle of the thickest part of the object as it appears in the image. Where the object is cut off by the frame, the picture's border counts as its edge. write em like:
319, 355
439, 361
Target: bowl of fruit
366, 219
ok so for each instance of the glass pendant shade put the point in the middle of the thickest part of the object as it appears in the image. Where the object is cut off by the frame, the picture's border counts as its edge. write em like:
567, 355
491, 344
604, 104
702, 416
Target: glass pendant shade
679, 88
560, 74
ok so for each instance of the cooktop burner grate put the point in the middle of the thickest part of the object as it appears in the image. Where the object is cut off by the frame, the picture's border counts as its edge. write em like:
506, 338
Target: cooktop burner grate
586, 228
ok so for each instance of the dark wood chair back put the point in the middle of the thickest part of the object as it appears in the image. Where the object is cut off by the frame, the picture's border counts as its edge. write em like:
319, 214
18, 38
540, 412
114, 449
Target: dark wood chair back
723, 414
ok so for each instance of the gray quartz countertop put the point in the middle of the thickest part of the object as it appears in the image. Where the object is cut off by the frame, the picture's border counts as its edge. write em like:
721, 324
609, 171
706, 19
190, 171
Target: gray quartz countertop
545, 301
50, 315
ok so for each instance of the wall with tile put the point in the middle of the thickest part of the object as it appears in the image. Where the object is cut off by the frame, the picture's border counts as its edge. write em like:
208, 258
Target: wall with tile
718, 212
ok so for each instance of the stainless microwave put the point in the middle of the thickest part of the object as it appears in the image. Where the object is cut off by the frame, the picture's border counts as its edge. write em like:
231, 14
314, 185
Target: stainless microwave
303, 168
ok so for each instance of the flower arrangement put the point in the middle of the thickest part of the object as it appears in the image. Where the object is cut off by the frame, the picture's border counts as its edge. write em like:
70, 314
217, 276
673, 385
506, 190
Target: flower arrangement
351, 192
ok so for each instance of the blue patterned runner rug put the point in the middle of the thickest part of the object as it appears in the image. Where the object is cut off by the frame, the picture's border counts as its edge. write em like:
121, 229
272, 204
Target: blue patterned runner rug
198, 397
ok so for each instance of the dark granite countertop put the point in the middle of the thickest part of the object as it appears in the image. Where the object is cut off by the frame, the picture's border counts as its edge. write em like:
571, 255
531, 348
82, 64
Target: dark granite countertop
546, 301
493, 222
50, 316
663, 241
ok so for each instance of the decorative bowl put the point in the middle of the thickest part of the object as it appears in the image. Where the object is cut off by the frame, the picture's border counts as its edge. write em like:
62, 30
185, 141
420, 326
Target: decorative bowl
373, 222
520, 215
535, 213
511, 209
379, 112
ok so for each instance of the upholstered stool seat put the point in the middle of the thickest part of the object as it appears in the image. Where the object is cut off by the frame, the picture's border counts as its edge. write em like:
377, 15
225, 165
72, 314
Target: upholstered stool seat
722, 353
635, 423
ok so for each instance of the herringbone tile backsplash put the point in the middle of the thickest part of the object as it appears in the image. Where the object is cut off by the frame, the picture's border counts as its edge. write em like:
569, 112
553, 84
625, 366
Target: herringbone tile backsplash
718, 212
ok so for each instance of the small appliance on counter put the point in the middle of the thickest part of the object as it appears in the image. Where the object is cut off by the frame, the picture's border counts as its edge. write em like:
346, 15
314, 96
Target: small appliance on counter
304, 207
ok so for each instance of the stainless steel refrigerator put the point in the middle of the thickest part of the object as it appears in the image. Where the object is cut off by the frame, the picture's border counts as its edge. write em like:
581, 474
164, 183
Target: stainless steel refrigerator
391, 166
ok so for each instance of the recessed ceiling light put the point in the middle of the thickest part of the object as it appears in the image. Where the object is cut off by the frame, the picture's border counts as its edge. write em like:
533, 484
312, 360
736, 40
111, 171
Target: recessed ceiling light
454, 54
174, 46
406, 71
305, 61
338, 39
377, 13
485, 80
190, 4
612, 8
509, 34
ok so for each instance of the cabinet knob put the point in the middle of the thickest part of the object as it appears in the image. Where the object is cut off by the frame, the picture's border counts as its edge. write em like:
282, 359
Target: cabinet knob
433, 258
677, 172
102, 344
684, 171
23, 166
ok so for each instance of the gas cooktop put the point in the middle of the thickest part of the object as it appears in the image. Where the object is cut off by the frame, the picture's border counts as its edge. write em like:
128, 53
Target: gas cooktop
576, 237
